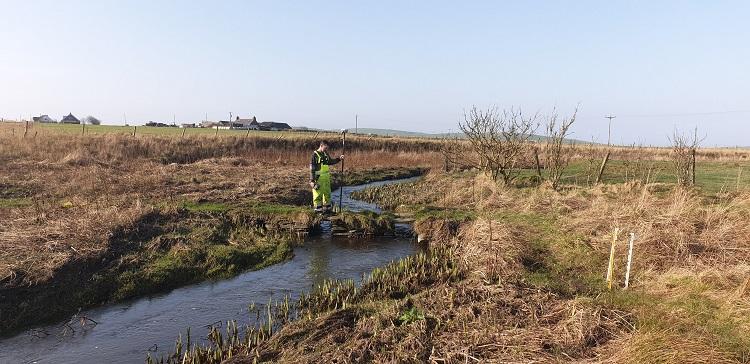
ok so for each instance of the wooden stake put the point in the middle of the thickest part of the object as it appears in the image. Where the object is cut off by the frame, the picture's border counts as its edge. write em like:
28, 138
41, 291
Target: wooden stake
611, 267
693, 169
538, 165
630, 259
134, 129
601, 168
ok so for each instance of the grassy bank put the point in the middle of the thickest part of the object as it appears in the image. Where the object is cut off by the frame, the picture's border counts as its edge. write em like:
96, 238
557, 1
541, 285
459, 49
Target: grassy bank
165, 248
528, 282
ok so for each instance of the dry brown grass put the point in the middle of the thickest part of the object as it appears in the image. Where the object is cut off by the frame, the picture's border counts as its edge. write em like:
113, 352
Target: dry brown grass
62, 195
688, 300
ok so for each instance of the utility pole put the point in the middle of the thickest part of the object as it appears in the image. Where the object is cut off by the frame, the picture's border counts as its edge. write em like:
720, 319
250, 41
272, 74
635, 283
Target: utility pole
609, 132
356, 121
230, 116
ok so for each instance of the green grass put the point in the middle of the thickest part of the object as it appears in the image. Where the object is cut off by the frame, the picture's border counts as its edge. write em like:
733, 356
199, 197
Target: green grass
554, 259
689, 311
204, 206
151, 130
711, 176
253, 207
9, 203
275, 209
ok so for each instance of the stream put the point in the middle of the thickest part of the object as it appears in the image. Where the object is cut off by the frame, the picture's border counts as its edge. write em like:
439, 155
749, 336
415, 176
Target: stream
127, 331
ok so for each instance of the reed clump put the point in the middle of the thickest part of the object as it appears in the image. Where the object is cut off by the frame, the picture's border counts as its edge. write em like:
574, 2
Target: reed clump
398, 279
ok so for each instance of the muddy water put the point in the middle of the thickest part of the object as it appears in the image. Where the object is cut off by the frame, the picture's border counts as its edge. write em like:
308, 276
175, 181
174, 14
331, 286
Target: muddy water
127, 332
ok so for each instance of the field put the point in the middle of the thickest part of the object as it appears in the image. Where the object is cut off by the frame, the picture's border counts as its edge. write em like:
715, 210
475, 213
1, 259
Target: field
143, 214
513, 273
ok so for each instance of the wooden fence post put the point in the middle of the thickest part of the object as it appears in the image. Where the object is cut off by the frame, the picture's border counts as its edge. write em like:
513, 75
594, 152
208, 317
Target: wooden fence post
601, 168
134, 129
693, 169
538, 165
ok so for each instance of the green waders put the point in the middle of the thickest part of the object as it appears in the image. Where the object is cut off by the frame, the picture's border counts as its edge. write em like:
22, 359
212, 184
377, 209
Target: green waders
322, 195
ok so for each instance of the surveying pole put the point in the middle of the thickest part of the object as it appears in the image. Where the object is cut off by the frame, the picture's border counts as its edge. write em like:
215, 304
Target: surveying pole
343, 152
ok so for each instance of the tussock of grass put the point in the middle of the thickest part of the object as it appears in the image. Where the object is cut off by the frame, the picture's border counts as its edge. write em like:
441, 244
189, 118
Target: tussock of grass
363, 223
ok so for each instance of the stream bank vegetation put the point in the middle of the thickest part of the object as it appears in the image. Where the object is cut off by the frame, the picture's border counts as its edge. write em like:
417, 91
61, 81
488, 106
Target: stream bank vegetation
515, 268
525, 282
97, 218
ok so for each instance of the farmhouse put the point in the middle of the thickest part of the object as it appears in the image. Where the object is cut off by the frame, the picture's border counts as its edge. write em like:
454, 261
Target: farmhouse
70, 119
251, 124
43, 119
243, 124
246, 124
158, 124
274, 126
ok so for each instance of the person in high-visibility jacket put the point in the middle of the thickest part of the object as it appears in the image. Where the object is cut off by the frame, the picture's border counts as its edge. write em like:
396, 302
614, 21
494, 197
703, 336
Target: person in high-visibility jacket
320, 177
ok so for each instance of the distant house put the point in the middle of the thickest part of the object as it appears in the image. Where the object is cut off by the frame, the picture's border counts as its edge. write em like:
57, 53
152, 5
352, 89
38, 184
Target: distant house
70, 119
237, 123
245, 124
274, 126
208, 124
224, 124
43, 119
158, 125
187, 125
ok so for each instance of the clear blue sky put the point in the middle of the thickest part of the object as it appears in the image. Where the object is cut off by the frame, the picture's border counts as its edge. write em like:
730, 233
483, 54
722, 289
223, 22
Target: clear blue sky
411, 65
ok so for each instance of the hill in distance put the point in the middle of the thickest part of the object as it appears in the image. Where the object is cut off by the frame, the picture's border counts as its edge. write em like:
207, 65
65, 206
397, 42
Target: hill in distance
392, 132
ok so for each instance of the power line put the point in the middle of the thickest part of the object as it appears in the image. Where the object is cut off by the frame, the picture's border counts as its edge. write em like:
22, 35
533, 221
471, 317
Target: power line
688, 114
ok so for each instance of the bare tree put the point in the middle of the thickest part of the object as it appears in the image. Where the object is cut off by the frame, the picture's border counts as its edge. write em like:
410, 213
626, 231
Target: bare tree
557, 149
683, 157
91, 120
640, 165
498, 141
